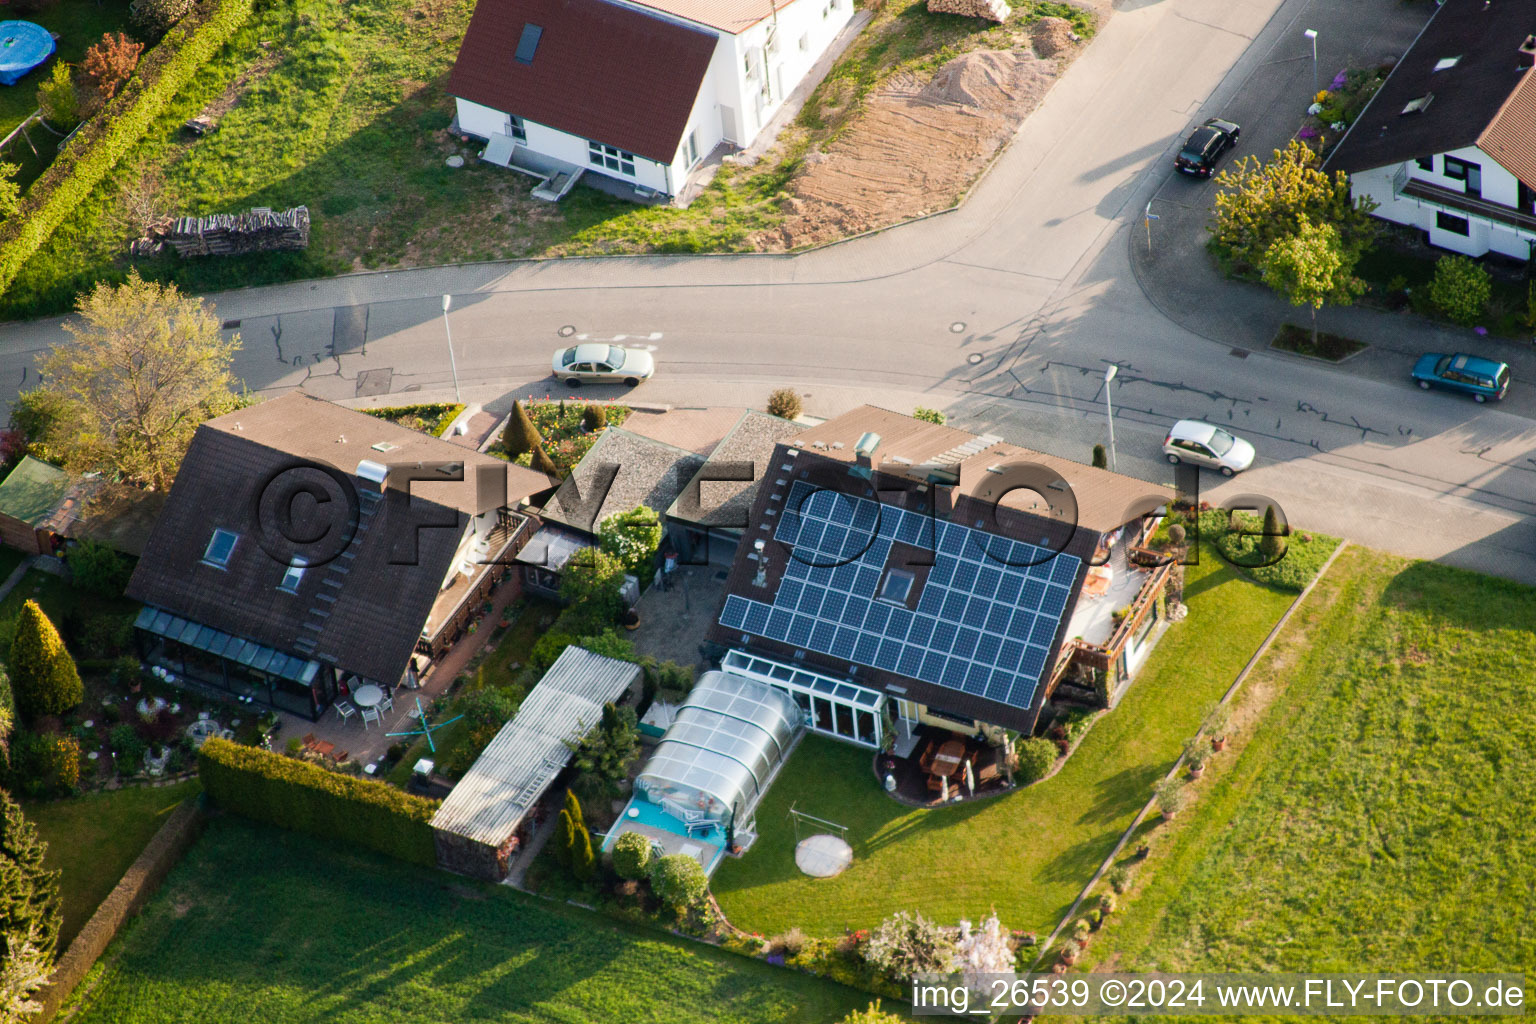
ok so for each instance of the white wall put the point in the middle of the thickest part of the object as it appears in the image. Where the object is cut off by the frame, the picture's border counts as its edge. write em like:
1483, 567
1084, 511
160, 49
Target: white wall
484, 122
1484, 235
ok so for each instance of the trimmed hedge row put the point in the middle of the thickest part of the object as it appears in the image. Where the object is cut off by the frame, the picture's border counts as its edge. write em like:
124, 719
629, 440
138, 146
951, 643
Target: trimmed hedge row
138, 883
303, 797
98, 146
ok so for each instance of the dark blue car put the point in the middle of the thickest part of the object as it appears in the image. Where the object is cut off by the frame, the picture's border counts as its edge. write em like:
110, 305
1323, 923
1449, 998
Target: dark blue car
1481, 378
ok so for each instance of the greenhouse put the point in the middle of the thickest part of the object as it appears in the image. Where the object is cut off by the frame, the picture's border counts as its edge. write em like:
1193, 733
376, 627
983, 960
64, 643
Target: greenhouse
720, 754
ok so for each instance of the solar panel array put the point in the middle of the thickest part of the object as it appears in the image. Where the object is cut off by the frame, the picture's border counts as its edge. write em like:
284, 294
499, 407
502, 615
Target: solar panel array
984, 620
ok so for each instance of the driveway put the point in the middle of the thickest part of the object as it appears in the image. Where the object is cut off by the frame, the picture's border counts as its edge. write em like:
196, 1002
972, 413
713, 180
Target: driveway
1006, 312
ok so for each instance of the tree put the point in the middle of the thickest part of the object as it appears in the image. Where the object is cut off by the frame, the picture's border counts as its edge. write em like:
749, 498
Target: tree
146, 366
632, 856
95, 567
602, 757
23, 971
105, 67
929, 415
44, 675
594, 417
33, 416
520, 435
632, 537
573, 808
784, 403
45, 763
1257, 204
7, 713
1272, 543
29, 893
583, 862
1100, 457
1312, 267
1171, 795
679, 882
544, 464
156, 16
58, 98
565, 838
1460, 289
1037, 755
589, 585
906, 944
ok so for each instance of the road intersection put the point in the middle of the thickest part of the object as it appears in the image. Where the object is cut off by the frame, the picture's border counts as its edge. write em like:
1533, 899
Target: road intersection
1006, 312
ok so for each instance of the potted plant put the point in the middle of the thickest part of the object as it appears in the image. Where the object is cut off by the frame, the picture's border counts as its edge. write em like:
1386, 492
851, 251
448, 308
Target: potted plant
1170, 796
1216, 722
1196, 752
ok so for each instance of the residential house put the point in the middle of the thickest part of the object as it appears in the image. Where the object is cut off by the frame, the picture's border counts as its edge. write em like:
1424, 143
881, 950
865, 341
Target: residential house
903, 573
639, 92
710, 515
1448, 143
306, 548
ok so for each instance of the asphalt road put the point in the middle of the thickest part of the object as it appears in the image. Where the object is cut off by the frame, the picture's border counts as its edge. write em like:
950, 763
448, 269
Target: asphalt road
1006, 312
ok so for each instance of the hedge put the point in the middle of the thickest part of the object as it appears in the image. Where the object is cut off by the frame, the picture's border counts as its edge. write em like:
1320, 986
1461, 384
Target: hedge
106, 138
303, 797
440, 414
138, 883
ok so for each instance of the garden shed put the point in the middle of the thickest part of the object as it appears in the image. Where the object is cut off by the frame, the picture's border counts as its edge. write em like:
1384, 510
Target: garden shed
486, 818
28, 496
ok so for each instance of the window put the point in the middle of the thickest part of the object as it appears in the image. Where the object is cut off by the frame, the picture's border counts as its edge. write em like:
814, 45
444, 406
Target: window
1426, 163
515, 128
690, 150
1452, 223
805, 43
292, 575
1455, 168
528, 43
1417, 105
599, 155
220, 546
1446, 63
897, 585
616, 356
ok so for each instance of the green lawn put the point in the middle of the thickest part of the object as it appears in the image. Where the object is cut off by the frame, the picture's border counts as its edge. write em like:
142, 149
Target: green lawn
262, 925
58, 599
1380, 818
93, 839
10, 558
1026, 854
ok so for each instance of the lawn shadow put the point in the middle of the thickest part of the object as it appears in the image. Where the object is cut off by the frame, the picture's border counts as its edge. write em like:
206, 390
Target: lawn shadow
1445, 592
1119, 796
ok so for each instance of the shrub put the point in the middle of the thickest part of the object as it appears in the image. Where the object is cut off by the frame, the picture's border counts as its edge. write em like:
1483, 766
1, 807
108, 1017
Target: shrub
1176, 535
929, 415
1070, 951
906, 944
871, 1014
1107, 903
679, 882
126, 670
97, 568
70, 179
1460, 289
632, 537
594, 416
106, 66
468, 750
1120, 878
46, 680
784, 403
1171, 796
128, 747
520, 435
105, 636
1238, 539
157, 16
1100, 457
58, 98
790, 944
583, 862
45, 764
7, 711
590, 586
1036, 757
1197, 751
632, 856
548, 648
305, 798
602, 757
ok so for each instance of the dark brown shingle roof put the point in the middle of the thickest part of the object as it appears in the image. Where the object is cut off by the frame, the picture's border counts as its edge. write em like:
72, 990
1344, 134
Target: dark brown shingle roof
1468, 96
604, 72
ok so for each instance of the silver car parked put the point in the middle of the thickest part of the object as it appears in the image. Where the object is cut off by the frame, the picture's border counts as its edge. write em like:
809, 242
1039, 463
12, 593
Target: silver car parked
603, 364
1201, 444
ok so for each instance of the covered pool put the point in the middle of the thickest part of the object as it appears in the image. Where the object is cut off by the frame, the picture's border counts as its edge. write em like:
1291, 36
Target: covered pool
23, 46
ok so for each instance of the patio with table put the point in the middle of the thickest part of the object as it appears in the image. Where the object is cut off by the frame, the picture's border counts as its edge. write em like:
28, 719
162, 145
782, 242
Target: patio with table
944, 767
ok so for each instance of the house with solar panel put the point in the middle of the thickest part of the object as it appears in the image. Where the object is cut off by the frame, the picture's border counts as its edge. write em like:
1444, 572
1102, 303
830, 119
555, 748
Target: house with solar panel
907, 584
636, 94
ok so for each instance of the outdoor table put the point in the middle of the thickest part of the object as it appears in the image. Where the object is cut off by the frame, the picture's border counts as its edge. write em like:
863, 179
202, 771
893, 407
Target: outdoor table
947, 761
367, 696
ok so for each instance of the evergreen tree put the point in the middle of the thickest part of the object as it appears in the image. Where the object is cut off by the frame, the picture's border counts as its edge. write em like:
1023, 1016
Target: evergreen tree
45, 679
520, 434
544, 464
583, 862
29, 894
1272, 544
1100, 459
573, 808
565, 838
594, 416
7, 712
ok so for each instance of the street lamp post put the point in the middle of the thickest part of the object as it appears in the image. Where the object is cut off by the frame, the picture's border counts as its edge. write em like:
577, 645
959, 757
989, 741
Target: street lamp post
454, 366
1311, 34
1109, 409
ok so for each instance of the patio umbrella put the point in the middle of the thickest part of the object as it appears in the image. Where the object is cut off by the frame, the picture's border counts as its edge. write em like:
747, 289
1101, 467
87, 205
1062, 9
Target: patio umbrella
970, 778
943, 790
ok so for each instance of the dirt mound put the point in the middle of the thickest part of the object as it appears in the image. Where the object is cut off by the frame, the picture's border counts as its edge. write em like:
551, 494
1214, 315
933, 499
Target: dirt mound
983, 78
1051, 36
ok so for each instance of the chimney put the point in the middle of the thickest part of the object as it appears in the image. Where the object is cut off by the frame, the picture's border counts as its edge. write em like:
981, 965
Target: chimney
1528, 51
374, 474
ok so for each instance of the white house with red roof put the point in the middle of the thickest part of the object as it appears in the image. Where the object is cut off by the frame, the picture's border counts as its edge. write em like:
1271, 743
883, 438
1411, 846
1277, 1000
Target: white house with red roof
641, 93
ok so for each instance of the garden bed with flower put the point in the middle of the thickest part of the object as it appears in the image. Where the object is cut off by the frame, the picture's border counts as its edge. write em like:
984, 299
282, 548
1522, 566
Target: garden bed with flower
567, 438
434, 418
1335, 108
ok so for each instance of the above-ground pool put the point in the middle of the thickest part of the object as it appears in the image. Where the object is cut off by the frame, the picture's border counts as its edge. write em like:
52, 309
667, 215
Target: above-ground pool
23, 46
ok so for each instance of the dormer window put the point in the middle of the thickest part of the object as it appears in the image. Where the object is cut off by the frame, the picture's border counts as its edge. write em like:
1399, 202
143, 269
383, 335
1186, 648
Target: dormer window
220, 547
896, 587
292, 575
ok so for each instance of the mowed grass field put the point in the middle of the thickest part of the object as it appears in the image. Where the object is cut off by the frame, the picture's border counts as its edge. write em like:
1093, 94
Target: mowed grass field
1382, 816
1026, 854
257, 924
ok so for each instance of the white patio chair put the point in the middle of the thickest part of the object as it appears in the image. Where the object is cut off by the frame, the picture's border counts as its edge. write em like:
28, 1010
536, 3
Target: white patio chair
345, 710
387, 704
372, 715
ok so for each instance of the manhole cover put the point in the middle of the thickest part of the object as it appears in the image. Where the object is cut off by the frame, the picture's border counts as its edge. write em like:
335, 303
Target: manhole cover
974, 358
455, 161
957, 327
566, 331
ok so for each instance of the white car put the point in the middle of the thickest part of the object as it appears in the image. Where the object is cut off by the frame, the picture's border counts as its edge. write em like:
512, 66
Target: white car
603, 364
1201, 444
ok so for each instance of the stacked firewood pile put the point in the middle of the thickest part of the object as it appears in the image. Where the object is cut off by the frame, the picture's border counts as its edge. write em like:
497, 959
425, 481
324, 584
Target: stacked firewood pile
992, 10
230, 234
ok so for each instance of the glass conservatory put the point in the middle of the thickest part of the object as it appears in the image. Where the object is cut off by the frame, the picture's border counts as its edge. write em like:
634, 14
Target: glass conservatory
720, 753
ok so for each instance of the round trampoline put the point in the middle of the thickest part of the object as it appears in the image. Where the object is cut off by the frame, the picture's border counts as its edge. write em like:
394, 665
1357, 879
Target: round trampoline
23, 46
823, 856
